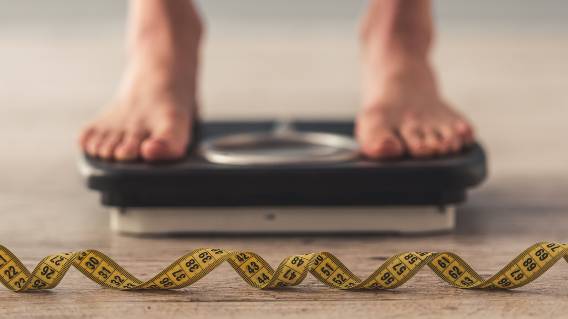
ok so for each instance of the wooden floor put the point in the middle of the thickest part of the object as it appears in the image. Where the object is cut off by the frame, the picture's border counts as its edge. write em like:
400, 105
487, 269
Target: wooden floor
513, 87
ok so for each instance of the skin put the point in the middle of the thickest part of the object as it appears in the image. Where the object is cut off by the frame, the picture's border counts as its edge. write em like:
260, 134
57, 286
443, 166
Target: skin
402, 110
152, 113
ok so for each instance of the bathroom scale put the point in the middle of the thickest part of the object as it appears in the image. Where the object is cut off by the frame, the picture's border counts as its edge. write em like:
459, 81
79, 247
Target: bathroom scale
283, 177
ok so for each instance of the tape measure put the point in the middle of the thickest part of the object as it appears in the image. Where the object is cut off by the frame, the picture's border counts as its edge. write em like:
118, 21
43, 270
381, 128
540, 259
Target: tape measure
395, 271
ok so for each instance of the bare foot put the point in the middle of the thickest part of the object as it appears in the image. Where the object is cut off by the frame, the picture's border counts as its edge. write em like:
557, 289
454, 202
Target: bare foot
403, 112
153, 112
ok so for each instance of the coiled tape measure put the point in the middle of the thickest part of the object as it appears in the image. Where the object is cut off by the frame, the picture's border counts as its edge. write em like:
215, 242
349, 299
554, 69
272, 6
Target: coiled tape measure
394, 272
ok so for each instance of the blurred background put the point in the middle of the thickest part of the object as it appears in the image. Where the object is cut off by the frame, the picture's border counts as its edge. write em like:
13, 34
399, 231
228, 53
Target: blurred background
503, 63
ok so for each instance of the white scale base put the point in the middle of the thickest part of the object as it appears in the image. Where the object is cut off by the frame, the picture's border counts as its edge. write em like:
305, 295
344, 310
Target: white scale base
282, 220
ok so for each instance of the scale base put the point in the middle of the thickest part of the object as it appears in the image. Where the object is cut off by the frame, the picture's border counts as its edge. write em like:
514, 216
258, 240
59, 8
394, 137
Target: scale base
282, 220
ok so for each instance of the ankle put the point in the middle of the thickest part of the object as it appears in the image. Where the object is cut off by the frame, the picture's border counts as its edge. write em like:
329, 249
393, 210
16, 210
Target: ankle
401, 27
155, 20
394, 67
154, 36
394, 47
164, 53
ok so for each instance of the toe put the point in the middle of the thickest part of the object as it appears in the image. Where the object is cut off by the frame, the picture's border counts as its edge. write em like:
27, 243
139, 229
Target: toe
129, 148
94, 142
376, 138
464, 131
169, 144
432, 142
85, 136
414, 138
449, 139
108, 145
383, 144
161, 149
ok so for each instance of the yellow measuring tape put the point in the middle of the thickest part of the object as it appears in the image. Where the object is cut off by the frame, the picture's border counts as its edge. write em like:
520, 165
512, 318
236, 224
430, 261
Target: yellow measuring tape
195, 265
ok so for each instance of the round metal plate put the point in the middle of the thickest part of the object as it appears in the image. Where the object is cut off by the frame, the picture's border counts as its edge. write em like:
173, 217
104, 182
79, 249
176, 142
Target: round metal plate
280, 147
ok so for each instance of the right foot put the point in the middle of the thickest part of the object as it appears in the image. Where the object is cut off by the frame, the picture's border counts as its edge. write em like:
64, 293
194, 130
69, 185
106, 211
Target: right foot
152, 116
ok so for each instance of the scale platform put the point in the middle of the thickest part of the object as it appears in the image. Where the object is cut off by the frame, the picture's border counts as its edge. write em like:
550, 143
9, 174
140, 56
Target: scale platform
202, 194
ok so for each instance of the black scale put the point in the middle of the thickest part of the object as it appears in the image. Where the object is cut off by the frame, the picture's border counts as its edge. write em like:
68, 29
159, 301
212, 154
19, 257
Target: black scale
195, 195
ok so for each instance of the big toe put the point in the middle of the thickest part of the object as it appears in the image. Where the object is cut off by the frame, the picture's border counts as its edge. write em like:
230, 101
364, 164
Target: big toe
380, 143
384, 145
163, 148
